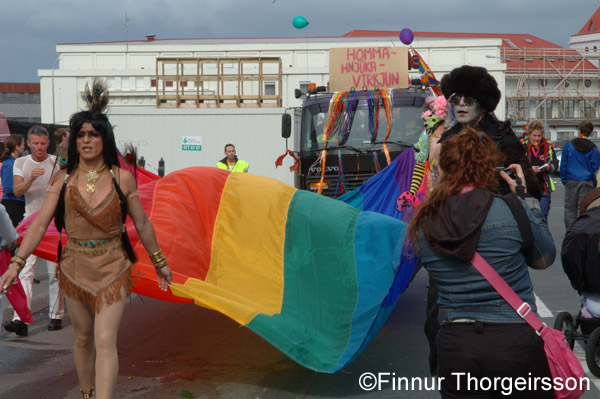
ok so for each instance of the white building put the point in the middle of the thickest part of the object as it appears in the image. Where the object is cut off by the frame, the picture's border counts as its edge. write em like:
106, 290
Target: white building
157, 101
130, 68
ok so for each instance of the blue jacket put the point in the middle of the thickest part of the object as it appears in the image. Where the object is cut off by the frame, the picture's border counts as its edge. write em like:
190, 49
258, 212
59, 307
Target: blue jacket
579, 165
7, 180
464, 293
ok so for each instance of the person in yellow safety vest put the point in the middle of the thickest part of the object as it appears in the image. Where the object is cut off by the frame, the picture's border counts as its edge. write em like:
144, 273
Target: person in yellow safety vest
231, 161
541, 155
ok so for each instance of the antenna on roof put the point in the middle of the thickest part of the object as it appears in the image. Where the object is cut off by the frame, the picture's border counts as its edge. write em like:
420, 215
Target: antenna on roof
127, 35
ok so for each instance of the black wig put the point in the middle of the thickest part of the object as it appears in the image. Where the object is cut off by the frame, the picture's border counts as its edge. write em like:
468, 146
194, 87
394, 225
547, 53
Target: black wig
100, 123
472, 81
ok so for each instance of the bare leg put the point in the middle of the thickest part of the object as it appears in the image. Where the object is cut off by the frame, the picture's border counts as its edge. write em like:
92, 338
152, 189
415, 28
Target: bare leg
107, 362
82, 318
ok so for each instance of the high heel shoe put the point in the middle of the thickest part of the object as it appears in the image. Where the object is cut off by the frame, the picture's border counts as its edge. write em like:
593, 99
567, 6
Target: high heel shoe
89, 394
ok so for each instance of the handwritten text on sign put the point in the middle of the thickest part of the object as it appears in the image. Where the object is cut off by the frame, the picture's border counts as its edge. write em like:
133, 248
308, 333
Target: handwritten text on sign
368, 67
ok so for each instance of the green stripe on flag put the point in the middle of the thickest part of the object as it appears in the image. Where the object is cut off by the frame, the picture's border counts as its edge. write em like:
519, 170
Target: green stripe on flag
319, 273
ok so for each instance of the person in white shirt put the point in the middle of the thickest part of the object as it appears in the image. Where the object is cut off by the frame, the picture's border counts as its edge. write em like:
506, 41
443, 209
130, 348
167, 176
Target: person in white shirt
32, 175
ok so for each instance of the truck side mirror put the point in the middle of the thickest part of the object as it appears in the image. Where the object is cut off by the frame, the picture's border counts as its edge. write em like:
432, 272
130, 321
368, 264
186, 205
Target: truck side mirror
286, 126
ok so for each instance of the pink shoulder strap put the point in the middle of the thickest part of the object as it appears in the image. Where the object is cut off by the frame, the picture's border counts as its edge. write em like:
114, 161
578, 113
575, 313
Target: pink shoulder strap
509, 295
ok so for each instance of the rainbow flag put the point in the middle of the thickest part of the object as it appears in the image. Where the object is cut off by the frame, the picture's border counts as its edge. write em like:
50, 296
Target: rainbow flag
307, 273
427, 74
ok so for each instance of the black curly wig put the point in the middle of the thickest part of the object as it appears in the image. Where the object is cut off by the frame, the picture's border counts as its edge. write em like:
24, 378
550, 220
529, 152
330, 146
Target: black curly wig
472, 81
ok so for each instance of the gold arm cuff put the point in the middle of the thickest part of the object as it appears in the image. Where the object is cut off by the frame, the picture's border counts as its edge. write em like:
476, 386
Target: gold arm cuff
158, 259
157, 256
19, 261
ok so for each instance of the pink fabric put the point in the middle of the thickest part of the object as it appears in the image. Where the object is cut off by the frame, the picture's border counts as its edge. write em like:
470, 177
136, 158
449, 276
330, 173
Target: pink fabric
467, 188
15, 294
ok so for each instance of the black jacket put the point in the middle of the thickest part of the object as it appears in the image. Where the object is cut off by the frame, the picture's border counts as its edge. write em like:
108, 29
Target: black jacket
581, 252
511, 147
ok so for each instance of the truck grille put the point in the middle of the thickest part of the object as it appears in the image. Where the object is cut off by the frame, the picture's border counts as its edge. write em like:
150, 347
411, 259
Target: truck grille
351, 181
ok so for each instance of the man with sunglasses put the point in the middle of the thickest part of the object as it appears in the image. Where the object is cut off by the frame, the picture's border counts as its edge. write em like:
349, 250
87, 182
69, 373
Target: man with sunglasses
473, 95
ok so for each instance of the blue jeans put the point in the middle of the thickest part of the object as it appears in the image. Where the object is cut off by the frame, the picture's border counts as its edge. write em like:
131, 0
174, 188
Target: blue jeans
545, 205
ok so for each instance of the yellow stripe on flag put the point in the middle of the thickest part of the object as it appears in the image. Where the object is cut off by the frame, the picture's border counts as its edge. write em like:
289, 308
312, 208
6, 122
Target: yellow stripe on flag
246, 268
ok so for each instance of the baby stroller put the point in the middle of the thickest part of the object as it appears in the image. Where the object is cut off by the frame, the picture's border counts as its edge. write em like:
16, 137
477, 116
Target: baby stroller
582, 328
580, 257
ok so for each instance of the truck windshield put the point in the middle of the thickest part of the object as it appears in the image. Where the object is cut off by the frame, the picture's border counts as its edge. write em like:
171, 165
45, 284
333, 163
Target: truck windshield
406, 123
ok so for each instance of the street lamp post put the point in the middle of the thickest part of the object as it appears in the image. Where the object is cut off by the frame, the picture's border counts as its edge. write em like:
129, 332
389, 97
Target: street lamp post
53, 112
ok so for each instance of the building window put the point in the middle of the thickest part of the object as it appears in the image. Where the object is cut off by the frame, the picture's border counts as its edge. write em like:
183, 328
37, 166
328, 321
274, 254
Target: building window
304, 87
110, 83
544, 111
587, 83
269, 88
588, 109
559, 107
152, 82
564, 136
139, 83
543, 82
183, 84
520, 104
568, 107
125, 83
169, 83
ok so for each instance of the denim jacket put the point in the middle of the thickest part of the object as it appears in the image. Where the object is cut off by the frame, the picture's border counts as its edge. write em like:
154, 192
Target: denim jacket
464, 293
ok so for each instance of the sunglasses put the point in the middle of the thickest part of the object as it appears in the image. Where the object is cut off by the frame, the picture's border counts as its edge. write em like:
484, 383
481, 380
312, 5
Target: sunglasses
455, 99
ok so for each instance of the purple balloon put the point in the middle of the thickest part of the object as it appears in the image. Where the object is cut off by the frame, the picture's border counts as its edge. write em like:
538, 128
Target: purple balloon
406, 36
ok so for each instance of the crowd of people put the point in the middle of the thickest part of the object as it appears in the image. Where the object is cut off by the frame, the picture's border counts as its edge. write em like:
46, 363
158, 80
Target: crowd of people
484, 183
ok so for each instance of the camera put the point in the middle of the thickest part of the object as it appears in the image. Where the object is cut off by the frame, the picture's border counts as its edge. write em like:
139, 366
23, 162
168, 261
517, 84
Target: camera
508, 171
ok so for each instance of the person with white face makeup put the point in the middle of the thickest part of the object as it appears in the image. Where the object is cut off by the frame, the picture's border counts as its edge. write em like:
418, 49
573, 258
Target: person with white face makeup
473, 95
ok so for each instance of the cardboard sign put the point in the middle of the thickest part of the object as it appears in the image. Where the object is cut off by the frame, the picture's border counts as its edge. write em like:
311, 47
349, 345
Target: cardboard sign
368, 67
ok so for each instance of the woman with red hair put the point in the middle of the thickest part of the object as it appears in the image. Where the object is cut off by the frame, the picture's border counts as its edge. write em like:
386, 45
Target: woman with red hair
460, 216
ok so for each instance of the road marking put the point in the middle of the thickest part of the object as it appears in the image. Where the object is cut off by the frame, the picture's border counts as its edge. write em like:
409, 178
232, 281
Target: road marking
542, 309
579, 351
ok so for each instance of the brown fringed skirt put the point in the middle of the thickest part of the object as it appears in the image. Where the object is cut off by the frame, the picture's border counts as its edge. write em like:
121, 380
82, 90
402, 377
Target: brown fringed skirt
93, 272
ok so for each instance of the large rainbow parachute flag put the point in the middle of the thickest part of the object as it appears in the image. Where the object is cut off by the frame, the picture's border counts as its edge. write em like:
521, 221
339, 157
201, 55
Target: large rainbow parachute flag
310, 274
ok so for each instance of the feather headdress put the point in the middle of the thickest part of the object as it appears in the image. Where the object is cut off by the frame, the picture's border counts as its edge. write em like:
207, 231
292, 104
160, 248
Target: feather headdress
96, 99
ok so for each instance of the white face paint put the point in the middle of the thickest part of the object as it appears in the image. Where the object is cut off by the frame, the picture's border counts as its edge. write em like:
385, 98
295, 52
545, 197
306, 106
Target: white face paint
466, 114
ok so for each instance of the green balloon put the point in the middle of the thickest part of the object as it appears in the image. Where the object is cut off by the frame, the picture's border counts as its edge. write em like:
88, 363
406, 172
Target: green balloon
300, 22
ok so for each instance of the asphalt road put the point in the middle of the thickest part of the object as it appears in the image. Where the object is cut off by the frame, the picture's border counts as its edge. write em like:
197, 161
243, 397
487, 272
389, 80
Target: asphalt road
172, 351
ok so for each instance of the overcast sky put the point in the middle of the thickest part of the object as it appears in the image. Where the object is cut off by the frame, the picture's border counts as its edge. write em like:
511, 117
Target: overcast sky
30, 29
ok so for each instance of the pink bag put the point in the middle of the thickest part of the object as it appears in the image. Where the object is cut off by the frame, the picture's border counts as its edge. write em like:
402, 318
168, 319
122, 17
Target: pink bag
563, 364
16, 294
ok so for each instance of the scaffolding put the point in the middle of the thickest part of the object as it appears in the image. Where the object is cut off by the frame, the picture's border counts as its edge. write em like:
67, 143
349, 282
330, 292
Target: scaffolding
218, 82
560, 86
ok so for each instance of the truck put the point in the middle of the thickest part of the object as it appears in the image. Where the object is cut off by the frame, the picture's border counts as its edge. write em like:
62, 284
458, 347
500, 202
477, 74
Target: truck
349, 163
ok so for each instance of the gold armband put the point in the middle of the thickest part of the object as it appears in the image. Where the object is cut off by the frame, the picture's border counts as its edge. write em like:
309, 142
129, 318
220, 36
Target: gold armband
158, 258
19, 261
